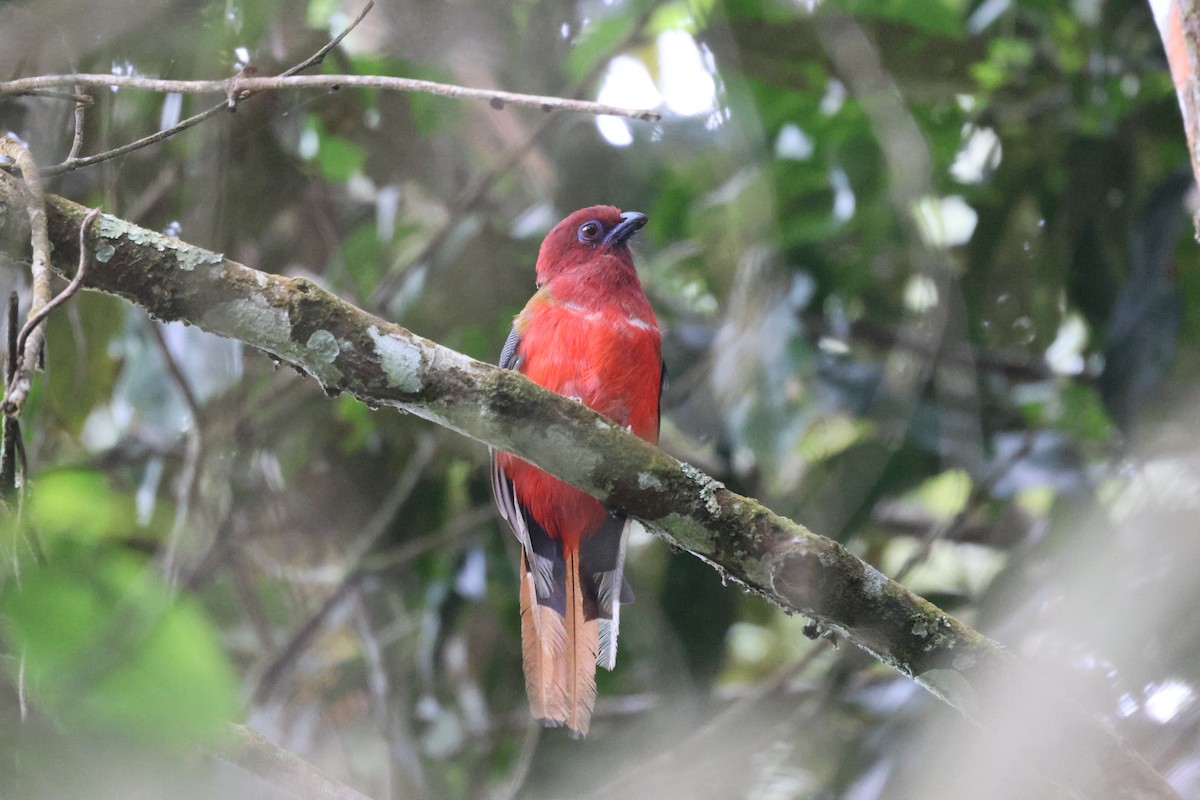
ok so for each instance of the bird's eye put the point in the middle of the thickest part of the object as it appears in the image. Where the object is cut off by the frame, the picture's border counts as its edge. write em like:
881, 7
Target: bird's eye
590, 231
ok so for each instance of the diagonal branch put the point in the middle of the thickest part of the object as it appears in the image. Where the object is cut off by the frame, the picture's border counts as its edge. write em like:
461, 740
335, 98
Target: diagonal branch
283, 769
381, 363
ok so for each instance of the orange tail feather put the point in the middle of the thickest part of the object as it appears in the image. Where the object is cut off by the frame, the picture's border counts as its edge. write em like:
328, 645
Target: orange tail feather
583, 642
543, 641
559, 654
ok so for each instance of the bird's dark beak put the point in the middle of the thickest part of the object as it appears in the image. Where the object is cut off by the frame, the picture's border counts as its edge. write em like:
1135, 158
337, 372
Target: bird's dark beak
631, 223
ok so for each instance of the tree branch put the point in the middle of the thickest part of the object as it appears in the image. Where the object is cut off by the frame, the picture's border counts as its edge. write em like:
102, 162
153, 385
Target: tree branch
381, 363
285, 770
73, 161
240, 86
30, 340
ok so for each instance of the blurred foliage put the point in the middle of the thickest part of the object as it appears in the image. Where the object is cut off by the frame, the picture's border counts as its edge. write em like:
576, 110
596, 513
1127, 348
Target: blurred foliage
923, 267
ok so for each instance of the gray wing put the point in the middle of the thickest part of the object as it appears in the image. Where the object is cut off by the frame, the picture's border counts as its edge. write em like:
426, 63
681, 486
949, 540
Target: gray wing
541, 552
508, 354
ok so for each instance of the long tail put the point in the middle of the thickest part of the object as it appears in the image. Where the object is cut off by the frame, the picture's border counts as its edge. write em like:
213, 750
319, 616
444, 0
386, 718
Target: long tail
559, 652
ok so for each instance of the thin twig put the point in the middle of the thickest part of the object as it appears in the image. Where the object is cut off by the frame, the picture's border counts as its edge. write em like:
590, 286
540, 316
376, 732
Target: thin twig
193, 455
302, 637
241, 86
250, 602
228, 535
21, 689
378, 524
189, 478
299, 641
10, 361
29, 345
451, 532
900, 518
165, 180
717, 727
379, 686
174, 370
77, 137
73, 163
510, 787
979, 494
1015, 364
283, 769
16, 467
405, 775
317, 58
85, 253
54, 94
12, 427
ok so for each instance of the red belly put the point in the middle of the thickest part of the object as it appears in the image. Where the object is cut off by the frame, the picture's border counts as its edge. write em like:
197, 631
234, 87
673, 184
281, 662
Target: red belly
615, 369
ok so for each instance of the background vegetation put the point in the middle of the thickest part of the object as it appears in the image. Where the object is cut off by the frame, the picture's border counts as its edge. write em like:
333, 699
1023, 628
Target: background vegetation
208, 538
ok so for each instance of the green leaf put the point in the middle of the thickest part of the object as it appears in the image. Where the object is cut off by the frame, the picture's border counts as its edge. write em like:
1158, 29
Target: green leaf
336, 157
361, 255
945, 494
471, 340
82, 368
598, 42
104, 646
679, 16
1075, 410
432, 114
1084, 416
1006, 58
74, 504
339, 158
359, 422
944, 17
320, 12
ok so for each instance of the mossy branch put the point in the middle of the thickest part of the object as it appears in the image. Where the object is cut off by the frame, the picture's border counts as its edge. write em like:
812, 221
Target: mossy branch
382, 364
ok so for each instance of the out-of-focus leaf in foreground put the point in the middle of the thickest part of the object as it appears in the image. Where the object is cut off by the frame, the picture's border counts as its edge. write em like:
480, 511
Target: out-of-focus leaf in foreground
104, 644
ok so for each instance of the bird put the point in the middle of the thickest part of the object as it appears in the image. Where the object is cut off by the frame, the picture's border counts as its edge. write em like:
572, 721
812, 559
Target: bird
589, 334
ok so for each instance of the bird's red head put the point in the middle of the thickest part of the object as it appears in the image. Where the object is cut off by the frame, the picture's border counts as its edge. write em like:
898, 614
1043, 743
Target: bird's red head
597, 236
